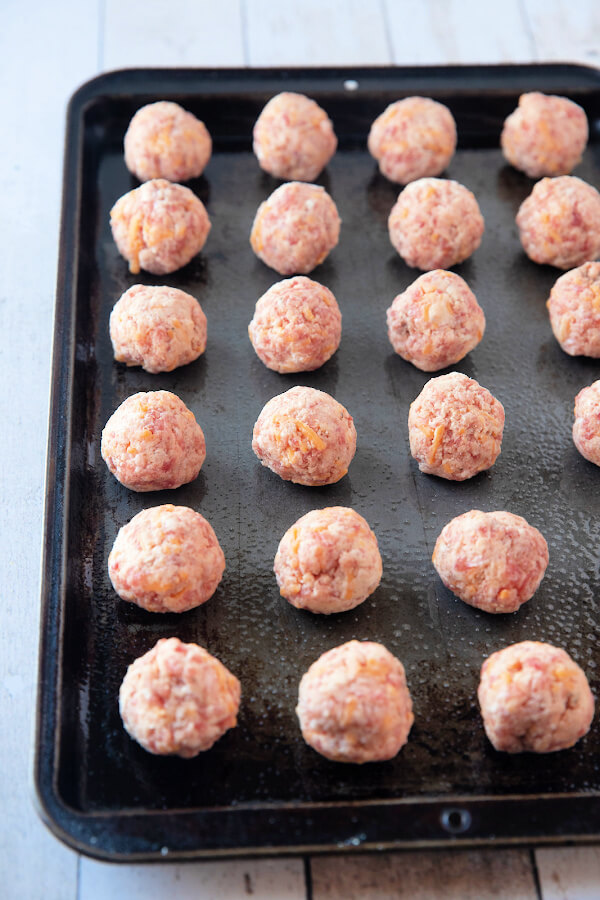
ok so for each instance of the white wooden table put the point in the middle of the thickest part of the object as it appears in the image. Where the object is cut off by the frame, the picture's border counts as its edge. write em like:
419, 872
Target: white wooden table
46, 50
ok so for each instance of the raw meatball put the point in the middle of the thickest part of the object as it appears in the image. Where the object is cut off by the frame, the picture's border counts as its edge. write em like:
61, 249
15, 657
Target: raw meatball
586, 428
293, 138
574, 307
494, 561
436, 321
328, 561
354, 705
435, 224
157, 328
559, 223
165, 141
297, 325
413, 138
295, 228
305, 436
152, 442
533, 697
166, 559
159, 227
455, 427
178, 699
545, 135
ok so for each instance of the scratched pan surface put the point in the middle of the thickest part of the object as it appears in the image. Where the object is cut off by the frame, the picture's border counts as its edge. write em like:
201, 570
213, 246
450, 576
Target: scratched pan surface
261, 789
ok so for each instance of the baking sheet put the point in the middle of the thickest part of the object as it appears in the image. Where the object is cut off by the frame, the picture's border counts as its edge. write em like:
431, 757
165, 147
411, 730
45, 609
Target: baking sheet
260, 789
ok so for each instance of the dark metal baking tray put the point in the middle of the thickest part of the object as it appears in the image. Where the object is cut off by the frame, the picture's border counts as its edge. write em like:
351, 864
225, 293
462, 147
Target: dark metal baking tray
261, 790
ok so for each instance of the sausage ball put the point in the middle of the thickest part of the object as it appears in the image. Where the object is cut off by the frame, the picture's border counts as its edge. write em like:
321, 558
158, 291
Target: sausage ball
535, 698
159, 227
574, 307
545, 135
328, 561
295, 228
305, 436
435, 223
559, 223
152, 442
455, 427
157, 328
413, 138
166, 559
354, 705
297, 325
293, 138
436, 321
494, 561
163, 140
178, 699
586, 428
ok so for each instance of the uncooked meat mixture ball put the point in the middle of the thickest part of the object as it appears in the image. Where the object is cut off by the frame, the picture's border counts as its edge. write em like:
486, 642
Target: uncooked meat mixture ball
354, 705
297, 325
435, 223
574, 307
455, 427
159, 227
166, 559
413, 138
492, 560
178, 699
152, 442
535, 698
559, 223
165, 141
586, 428
436, 321
305, 436
293, 138
328, 561
545, 135
295, 228
157, 328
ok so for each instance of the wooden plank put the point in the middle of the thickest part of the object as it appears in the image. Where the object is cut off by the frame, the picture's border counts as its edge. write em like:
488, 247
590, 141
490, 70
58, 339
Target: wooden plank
177, 33
451, 874
458, 31
316, 32
569, 873
272, 879
565, 31
45, 53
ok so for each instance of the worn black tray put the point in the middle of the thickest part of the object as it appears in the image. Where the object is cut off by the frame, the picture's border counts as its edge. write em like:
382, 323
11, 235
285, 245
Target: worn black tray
261, 789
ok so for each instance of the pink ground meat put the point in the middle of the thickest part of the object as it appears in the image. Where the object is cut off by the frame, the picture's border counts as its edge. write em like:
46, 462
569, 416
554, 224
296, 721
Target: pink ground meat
559, 223
152, 442
574, 307
494, 561
435, 223
293, 138
455, 427
328, 561
413, 138
297, 325
436, 321
296, 228
535, 698
159, 227
158, 328
354, 705
163, 140
305, 436
545, 135
586, 427
178, 699
166, 559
